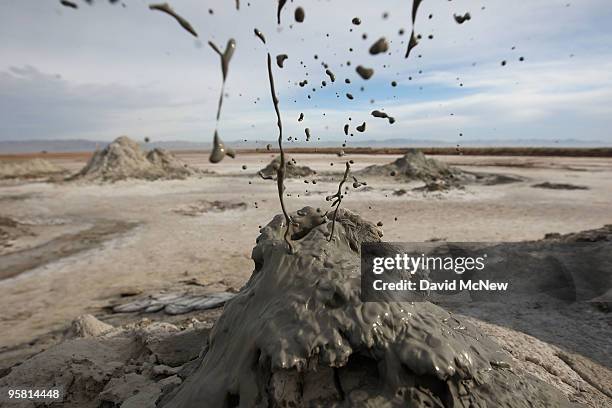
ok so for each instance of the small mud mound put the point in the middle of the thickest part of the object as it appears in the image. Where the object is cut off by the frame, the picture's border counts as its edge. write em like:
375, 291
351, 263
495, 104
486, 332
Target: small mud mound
29, 169
124, 159
202, 207
437, 176
293, 170
415, 166
298, 335
559, 186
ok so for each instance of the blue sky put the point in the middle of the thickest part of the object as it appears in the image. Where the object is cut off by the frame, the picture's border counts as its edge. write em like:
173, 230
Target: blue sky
102, 71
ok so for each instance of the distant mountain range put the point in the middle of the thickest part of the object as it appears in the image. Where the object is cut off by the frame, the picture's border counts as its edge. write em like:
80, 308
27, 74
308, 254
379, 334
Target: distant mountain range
80, 145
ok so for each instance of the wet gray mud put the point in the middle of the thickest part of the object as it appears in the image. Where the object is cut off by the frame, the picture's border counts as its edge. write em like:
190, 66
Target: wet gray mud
165, 8
20, 261
298, 334
219, 149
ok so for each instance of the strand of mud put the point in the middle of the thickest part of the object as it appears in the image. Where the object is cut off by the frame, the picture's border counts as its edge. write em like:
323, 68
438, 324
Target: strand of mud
280, 173
219, 150
338, 197
413, 40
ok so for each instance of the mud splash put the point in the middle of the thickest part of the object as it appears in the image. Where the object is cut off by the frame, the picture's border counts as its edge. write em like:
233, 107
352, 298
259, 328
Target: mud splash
219, 150
298, 335
165, 8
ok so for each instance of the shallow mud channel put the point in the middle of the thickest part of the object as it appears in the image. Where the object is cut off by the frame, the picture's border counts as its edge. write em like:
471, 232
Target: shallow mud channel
16, 262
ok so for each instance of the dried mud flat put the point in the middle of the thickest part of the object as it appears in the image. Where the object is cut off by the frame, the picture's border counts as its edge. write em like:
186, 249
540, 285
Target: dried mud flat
211, 250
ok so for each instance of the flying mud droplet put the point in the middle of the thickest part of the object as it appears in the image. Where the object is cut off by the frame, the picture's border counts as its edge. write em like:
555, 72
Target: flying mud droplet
503, 63
303, 83
365, 73
379, 46
307, 132
346, 129
356, 21
299, 15
260, 35
219, 150
350, 96
237, 4
280, 60
301, 118
413, 39
384, 115
460, 19
279, 8
165, 8
282, 168
337, 199
67, 3
331, 75
393, 84
361, 128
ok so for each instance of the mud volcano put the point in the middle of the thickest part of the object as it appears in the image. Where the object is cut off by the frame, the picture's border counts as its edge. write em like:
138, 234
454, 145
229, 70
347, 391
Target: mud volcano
124, 159
415, 166
298, 335
293, 170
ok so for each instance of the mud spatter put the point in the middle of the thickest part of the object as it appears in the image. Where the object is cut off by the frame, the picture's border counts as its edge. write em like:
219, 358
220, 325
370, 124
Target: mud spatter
356, 21
307, 132
460, 19
282, 168
384, 115
413, 42
336, 200
298, 334
279, 8
280, 60
331, 75
69, 4
364, 73
301, 117
165, 8
350, 96
346, 129
299, 15
361, 128
260, 35
219, 150
380, 46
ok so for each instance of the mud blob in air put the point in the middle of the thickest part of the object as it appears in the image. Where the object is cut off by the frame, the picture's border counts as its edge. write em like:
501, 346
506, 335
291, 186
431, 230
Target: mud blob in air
356, 21
413, 39
280, 60
67, 3
384, 115
301, 118
165, 8
346, 129
379, 46
350, 96
281, 4
260, 35
365, 73
307, 132
219, 150
361, 128
299, 15
331, 75
460, 19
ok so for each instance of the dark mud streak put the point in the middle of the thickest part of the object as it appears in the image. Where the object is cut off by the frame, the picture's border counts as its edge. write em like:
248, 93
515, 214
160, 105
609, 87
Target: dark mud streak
67, 3
165, 8
280, 174
338, 199
280, 60
260, 35
219, 151
281, 4
24, 260
413, 40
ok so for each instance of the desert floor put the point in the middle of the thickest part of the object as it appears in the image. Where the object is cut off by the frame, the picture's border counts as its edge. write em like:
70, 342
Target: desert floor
129, 237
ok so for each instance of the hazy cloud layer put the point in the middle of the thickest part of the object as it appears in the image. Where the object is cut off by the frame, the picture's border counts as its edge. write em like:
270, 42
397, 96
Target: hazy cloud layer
104, 70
